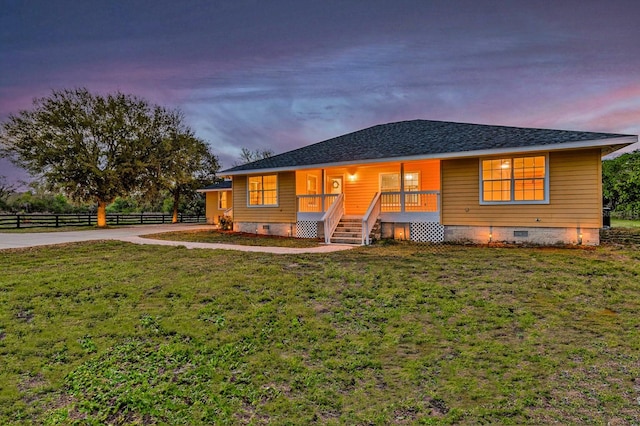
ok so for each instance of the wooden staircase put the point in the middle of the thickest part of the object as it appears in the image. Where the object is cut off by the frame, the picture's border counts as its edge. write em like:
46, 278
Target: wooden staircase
348, 231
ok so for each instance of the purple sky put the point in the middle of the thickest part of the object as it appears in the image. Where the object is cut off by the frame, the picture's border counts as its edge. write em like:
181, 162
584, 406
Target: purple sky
281, 74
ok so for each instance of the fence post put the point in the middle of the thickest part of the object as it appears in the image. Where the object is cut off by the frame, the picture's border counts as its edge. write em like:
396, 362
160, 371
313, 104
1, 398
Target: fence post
89, 219
17, 221
57, 221
141, 219
117, 219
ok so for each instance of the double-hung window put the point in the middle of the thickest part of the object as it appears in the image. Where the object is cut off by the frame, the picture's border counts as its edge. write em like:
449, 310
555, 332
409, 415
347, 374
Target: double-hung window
390, 182
515, 180
223, 200
263, 190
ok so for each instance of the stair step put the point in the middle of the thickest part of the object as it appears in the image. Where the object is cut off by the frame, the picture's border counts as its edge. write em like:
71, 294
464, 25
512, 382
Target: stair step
345, 229
348, 231
347, 235
345, 240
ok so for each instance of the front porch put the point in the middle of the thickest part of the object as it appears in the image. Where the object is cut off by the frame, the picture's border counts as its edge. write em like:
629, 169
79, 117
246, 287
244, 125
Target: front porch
404, 204
411, 215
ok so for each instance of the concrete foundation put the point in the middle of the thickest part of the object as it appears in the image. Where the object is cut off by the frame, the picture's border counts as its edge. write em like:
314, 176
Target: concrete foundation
454, 234
279, 229
522, 235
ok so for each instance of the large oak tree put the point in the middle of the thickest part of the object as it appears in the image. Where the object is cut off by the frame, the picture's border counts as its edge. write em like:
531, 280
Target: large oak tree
95, 148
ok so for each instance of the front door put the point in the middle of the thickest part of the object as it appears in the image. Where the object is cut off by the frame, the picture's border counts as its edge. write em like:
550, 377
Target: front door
334, 185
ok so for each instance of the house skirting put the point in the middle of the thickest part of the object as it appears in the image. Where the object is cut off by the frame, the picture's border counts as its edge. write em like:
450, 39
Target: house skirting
423, 232
266, 228
522, 235
435, 232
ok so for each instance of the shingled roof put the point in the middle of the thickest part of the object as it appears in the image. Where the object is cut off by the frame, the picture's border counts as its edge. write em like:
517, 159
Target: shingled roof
425, 139
217, 186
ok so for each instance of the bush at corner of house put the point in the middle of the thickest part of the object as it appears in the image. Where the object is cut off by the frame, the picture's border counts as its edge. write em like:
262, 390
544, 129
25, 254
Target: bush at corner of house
226, 223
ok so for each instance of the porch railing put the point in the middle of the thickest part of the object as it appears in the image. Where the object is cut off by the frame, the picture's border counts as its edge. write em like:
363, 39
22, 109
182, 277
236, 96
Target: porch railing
315, 203
228, 212
332, 217
370, 217
411, 201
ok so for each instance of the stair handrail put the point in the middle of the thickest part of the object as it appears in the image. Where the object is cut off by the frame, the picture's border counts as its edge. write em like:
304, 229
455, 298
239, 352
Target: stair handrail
370, 217
332, 217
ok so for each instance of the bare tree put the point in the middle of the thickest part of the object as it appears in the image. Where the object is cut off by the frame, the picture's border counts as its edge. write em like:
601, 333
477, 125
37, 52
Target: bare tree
249, 156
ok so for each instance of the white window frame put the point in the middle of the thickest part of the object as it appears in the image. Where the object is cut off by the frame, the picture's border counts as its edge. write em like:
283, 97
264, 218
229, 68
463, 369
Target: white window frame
262, 191
512, 200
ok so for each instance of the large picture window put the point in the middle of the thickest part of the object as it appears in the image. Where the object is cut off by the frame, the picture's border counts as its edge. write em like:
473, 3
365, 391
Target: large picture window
263, 190
514, 180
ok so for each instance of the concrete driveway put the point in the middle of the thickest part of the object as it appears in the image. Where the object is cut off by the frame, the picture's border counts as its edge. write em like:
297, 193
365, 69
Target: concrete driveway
132, 234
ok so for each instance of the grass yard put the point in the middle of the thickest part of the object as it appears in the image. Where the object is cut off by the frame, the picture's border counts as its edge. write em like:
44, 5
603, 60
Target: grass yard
625, 223
117, 333
230, 237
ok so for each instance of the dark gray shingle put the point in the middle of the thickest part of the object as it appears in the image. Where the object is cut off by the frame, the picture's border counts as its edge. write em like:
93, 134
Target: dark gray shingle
418, 138
223, 184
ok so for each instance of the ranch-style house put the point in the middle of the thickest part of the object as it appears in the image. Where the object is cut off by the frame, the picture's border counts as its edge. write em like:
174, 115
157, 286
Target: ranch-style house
426, 180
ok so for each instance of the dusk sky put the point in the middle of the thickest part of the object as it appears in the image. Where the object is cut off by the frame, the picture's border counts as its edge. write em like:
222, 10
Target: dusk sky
281, 74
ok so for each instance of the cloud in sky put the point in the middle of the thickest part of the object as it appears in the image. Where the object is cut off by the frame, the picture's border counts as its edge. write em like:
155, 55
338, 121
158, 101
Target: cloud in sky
282, 74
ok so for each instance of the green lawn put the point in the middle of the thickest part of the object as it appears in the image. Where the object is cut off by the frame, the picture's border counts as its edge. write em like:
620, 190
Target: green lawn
625, 223
117, 333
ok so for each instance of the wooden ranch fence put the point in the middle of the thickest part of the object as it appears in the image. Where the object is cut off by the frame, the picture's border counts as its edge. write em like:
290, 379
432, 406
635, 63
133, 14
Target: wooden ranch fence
13, 221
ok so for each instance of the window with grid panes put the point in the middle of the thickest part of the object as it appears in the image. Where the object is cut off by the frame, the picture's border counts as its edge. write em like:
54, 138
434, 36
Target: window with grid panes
263, 190
514, 180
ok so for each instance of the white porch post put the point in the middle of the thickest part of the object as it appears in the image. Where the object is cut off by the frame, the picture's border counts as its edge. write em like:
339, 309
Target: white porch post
402, 187
323, 183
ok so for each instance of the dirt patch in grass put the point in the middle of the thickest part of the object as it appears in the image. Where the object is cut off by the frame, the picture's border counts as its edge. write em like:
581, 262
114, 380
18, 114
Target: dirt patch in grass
231, 237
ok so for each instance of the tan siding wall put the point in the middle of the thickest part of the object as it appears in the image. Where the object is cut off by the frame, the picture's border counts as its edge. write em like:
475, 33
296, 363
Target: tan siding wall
284, 212
301, 181
212, 211
211, 207
429, 173
574, 194
359, 191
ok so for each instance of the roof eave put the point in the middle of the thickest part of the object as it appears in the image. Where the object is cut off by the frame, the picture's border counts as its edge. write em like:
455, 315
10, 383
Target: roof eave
597, 143
213, 190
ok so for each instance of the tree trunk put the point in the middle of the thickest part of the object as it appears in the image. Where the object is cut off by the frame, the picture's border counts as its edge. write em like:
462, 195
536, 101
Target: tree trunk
176, 202
102, 214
